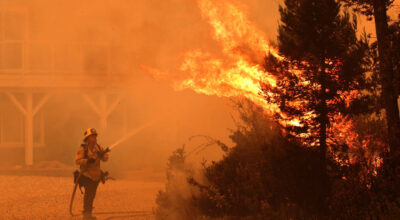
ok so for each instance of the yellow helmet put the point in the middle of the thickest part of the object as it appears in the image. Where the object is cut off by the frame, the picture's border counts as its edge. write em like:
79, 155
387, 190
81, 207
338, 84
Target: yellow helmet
88, 132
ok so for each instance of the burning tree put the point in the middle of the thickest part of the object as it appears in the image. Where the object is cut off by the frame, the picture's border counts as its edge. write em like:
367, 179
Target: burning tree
309, 86
322, 50
322, 73
387, 38
395, 41
377, 9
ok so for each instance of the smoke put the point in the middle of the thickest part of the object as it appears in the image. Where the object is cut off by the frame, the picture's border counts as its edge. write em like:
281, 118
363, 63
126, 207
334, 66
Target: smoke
92, 38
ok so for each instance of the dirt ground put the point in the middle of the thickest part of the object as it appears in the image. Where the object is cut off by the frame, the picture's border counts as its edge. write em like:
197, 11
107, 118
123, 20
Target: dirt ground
40, 197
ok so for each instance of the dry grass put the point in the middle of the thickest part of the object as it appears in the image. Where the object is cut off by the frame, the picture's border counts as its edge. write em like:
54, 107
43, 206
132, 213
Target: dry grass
37, 197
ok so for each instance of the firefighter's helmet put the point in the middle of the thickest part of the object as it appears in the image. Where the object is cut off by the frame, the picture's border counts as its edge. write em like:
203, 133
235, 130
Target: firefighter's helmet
88, 132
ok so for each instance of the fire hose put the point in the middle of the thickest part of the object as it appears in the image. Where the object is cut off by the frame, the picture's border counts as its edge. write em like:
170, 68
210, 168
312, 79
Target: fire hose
77, 175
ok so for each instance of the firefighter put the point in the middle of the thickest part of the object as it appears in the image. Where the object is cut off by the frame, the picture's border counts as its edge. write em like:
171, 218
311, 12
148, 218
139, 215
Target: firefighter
88, 158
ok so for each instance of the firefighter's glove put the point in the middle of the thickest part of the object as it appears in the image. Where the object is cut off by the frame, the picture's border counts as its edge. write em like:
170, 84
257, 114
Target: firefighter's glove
101, 154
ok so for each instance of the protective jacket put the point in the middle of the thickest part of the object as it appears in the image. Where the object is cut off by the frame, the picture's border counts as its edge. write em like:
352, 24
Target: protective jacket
88, 158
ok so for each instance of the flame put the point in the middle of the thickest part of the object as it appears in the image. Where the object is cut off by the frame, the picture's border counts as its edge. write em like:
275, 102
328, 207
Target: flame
236, 72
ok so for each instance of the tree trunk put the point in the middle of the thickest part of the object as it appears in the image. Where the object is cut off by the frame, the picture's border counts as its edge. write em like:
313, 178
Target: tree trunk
389, 82
323, 111
323, 126
323, 148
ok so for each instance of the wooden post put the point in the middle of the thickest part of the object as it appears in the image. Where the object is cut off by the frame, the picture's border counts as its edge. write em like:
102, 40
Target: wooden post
103, 110
29, 112
29, 130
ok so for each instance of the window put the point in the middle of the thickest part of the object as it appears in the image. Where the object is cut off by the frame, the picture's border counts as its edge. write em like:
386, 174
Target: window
12, 39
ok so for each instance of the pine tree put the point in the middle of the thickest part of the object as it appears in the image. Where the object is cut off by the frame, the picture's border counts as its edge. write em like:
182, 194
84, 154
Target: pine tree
323, 65
395, 42
390, 83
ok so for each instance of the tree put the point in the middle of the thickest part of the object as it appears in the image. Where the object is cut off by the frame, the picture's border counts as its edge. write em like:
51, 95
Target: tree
395, 47
262, 176
175, 202
389, 81
323, 68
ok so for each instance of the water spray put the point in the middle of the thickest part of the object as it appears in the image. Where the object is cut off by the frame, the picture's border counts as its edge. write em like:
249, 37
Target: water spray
132, 133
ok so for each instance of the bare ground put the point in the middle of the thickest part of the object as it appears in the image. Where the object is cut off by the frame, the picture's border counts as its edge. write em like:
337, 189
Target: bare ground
39, 197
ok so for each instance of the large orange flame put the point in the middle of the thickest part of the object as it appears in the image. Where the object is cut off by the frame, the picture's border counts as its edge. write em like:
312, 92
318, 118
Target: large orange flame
235, 72
238, 71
